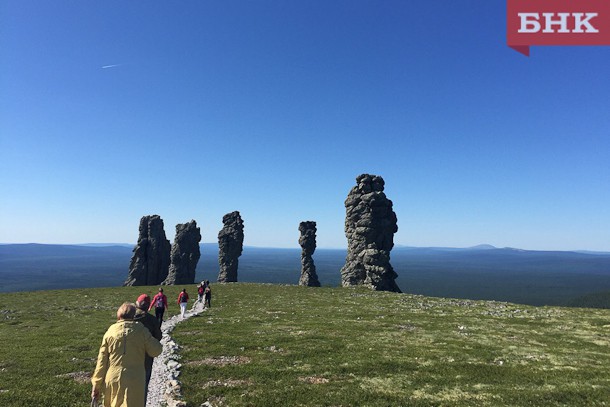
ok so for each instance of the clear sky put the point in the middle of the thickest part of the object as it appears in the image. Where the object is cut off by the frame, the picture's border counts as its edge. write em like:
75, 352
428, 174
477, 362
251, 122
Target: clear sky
112, 110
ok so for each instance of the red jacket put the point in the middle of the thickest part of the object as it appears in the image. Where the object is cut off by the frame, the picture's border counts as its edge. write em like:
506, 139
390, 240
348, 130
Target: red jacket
183, 297
159, 296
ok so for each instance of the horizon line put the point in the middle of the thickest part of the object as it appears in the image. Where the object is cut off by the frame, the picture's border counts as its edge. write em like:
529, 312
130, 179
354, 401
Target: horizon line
483, 246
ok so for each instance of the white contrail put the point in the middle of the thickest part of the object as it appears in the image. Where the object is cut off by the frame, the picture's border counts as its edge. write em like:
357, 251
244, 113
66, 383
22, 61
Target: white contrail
110, 66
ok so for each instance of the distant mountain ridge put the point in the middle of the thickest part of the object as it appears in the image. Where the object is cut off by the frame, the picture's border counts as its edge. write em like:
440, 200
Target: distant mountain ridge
482, 247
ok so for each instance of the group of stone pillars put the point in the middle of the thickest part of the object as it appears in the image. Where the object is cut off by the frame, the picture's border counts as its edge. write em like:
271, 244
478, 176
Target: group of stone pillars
370, 224
155, 262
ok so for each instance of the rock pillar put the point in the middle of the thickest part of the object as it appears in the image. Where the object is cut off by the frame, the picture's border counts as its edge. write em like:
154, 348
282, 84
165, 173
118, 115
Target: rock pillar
185, 254
370, 224
230, 246
151, 256
307, 240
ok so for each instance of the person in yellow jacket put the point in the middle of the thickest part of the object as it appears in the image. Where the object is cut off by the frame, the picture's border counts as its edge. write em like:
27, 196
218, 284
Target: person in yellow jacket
119, 374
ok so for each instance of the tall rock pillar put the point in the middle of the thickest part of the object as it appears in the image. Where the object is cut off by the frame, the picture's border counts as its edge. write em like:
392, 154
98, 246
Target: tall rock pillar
370, 224
230, 246
307, 240
185, 254
151, 256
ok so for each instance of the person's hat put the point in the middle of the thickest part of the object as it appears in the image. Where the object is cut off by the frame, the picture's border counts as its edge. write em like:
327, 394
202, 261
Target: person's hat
144, 298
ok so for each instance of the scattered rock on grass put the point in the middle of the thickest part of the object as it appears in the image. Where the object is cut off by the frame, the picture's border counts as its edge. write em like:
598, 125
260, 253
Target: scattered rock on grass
79, 377
226, 383
314, 379
220, 361
214, 401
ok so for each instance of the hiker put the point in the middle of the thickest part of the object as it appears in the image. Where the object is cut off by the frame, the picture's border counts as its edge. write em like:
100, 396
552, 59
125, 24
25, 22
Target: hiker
152, 323
200, 291
183, 298
159, 301
208, 295
119, 374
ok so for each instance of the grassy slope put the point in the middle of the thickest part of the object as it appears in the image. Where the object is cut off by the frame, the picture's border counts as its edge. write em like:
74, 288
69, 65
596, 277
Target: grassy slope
47, 334
269, 345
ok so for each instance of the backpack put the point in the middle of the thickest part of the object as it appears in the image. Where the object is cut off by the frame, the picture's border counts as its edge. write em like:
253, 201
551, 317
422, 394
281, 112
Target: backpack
200, 290
159, 302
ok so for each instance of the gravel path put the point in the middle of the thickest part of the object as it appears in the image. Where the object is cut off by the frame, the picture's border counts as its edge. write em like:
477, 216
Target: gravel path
164, 387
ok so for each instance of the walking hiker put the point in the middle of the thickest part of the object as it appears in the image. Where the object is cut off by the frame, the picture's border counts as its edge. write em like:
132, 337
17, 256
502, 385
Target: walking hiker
183, 298
208, 295
119, 373
200, 291
159, 301
152, 323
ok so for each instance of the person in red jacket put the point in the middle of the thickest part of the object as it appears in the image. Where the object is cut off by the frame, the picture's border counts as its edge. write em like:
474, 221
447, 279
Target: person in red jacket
183, 298
159, 301
200, 291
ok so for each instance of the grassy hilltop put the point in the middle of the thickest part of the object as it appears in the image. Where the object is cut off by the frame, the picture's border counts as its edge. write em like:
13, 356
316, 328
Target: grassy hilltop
273, 345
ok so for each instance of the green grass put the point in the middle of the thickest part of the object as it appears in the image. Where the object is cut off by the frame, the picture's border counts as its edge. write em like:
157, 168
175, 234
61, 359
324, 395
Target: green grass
46, 335
273, 345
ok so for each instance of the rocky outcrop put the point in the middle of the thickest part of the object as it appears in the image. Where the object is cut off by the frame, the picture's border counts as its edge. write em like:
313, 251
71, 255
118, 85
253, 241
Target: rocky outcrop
151, 257
370, 224
307, 240
230, 246
185, 254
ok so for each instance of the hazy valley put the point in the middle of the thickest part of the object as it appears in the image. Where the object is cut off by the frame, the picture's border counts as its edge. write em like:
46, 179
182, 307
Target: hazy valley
482, 272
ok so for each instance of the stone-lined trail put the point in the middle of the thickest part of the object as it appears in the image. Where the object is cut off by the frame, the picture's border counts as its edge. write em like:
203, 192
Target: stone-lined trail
164, 387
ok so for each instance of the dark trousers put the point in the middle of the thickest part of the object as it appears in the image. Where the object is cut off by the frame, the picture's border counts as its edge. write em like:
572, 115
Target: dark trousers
159, 311
208, 300
148, 374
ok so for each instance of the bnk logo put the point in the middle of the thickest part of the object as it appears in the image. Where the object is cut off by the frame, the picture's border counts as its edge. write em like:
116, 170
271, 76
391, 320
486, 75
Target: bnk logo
557, 22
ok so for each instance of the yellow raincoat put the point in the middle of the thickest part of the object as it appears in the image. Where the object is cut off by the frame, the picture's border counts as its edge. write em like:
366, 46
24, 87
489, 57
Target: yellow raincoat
119, 374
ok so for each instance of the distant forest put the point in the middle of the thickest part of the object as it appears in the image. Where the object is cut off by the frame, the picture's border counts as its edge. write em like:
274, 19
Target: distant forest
519, 276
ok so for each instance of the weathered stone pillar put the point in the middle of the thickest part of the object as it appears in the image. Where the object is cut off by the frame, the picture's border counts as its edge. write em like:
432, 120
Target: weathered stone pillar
185, 254
307, 240
370, 224
151, 256
230, 246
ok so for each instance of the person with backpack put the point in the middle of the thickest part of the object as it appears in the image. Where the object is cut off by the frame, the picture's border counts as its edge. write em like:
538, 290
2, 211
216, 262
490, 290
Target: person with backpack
119, 374
200, 291
159, 301
208, 295
183, 298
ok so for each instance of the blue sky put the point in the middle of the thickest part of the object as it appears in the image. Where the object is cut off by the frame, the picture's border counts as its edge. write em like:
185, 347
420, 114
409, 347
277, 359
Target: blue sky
114, 110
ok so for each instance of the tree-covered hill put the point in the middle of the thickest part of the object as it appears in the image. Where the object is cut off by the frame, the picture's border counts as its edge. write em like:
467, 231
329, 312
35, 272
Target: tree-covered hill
520, 276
